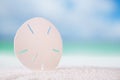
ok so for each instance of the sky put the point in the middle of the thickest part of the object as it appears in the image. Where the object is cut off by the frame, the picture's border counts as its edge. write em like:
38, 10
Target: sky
75, 19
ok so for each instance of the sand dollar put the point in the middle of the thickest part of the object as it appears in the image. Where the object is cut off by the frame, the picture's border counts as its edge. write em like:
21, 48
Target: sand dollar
38, 44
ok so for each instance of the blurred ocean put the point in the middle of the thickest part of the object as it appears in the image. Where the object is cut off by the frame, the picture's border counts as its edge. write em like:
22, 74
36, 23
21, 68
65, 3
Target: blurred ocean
76, 48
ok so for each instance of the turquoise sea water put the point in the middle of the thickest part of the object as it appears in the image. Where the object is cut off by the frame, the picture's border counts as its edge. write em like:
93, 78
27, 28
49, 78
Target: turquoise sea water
75, 48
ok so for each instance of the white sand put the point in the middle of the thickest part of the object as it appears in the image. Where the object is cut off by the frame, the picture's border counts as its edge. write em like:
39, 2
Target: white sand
70, 68
73, 73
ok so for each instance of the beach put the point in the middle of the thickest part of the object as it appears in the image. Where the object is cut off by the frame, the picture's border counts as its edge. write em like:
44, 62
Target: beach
69, 68
73, 73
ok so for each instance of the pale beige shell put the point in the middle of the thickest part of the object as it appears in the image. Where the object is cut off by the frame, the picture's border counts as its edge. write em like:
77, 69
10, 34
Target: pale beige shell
38, 44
